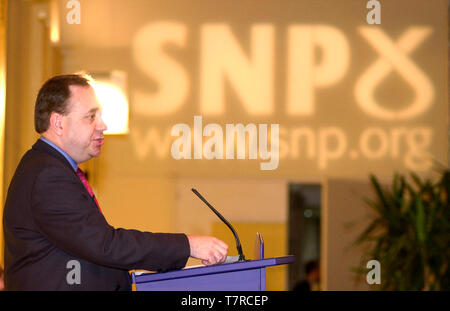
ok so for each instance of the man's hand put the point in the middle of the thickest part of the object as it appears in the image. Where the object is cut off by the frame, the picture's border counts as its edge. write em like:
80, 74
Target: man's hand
210, 250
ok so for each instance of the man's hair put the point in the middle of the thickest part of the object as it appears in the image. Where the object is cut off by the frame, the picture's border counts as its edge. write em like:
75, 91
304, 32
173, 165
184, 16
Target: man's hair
53, 97
311, 266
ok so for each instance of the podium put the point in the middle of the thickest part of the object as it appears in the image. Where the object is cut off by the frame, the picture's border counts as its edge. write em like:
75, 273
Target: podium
249, 275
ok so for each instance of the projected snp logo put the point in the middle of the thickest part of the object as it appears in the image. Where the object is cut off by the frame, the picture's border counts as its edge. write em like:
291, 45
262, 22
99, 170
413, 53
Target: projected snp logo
224, 63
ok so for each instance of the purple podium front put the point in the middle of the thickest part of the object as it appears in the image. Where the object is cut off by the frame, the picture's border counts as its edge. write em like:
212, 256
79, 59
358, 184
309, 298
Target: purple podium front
247, 275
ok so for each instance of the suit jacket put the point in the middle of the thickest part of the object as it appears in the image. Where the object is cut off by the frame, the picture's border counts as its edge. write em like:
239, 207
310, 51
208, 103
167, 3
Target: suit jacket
50, 220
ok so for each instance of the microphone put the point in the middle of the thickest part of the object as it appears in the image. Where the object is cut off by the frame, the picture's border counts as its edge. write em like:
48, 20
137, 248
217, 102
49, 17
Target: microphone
238, 242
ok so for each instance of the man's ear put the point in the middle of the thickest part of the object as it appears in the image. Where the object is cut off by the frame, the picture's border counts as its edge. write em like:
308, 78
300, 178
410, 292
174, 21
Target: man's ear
56, 123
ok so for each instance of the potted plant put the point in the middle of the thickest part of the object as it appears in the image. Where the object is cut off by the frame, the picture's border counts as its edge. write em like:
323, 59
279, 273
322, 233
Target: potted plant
410, 234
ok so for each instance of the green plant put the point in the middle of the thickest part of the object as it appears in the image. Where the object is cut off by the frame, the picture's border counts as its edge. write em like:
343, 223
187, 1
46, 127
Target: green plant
410, 234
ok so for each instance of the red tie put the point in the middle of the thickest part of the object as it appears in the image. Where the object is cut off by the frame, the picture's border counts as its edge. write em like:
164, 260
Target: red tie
85, 182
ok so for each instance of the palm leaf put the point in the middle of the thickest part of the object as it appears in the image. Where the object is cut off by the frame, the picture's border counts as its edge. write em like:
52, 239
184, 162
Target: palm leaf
410, 233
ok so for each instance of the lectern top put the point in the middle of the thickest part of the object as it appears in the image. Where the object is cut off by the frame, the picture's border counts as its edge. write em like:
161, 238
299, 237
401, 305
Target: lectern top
204, 270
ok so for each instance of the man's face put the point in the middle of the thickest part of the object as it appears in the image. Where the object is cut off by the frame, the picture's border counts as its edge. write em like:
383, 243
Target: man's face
82, 131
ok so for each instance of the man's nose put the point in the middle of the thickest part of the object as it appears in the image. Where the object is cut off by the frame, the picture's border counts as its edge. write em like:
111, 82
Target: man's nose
101, 125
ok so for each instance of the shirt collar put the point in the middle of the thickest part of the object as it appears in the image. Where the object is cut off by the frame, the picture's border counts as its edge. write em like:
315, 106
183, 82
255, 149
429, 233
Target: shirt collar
68, 158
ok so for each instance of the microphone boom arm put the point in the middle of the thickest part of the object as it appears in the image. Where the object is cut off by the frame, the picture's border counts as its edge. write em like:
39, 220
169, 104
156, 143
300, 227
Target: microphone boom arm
238, 242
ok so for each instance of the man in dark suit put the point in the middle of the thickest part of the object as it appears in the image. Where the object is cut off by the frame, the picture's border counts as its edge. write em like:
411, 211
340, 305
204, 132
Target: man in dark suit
56, 237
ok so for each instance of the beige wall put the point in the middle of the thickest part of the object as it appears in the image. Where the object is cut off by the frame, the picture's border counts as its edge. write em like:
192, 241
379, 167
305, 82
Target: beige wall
3, 33
272, 233
344, 217
31, 60
240, 200
28, 66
